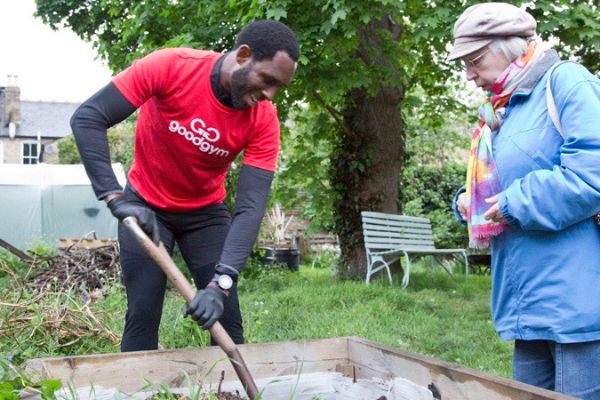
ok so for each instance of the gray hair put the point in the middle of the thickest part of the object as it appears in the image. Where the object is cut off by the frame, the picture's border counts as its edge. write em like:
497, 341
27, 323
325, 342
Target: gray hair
509, 47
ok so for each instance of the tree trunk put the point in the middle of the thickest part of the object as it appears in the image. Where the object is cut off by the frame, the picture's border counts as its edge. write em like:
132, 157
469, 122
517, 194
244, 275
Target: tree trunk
370, 155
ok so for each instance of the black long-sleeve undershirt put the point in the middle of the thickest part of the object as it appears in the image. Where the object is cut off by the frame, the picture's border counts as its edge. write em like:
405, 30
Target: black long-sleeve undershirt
253, 189
89, 123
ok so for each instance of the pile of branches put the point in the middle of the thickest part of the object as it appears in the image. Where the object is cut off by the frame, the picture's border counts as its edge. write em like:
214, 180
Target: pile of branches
76, 267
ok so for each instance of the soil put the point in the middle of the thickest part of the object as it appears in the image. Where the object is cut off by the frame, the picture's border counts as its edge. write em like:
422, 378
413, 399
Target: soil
228, 396
231, 396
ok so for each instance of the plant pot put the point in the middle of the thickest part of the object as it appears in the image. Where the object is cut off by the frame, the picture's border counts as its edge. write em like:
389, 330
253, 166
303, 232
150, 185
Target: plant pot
288, 257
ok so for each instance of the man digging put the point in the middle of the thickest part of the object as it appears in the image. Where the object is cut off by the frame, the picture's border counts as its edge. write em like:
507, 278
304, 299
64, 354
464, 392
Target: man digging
197, 111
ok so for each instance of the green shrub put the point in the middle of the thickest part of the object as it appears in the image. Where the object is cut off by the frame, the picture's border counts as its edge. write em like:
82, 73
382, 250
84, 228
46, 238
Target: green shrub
427, 191
256, 270
323, 259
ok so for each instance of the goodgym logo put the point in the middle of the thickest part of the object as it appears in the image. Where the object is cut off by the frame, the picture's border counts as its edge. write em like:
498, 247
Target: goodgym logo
200, 136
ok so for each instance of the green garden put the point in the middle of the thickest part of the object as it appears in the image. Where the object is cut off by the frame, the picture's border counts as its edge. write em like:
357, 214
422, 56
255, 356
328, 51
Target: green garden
375, 119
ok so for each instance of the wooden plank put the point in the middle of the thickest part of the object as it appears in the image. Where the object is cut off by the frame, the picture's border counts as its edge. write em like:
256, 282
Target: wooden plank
352, 356
131, 371
84, 243
452, 381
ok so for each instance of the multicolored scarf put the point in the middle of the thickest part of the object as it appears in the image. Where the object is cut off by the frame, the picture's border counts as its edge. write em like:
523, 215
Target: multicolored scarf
482, 178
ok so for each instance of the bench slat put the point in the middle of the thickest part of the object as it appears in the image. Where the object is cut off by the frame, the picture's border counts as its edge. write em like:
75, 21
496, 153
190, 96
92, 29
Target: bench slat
401, 231
398, 242
408, 224
420, 250
393, 228
398, 234
411, 249
396, 217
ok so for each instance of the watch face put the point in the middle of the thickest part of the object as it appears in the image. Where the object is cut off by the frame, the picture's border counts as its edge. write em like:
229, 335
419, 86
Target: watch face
225, 282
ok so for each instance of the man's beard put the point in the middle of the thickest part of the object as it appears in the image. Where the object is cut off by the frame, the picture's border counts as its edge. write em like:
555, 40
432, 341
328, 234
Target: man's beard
239, 87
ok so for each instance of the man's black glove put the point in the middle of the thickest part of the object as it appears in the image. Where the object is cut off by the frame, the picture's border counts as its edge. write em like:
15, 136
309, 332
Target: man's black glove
206, 307
122, 208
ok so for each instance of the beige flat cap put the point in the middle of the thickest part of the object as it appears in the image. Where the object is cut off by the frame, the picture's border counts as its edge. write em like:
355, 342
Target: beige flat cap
480, 24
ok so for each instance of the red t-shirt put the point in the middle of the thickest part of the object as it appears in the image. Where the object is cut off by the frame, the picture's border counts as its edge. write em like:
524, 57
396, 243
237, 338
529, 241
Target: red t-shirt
185, 139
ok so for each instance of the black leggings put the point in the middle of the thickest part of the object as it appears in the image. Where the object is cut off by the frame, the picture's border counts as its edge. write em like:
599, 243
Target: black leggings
200, 235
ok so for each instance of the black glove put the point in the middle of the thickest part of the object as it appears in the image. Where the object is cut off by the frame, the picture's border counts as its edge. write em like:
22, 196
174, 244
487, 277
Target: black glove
206, 307
122, 208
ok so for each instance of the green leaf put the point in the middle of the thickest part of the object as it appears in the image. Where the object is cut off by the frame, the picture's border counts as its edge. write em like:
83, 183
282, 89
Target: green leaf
338, 15
50, 386
276, 13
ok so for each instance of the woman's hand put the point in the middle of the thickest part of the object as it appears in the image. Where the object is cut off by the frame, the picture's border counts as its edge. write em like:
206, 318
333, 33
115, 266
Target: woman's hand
494, 214
462, 205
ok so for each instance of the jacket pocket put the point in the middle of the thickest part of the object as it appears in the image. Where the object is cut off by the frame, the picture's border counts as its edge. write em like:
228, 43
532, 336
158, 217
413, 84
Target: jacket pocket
541, 146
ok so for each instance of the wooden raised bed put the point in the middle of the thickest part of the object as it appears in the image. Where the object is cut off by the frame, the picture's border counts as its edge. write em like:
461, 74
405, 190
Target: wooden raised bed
354, 357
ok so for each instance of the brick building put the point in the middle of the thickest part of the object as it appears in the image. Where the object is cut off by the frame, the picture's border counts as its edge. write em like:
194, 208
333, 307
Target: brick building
29, 130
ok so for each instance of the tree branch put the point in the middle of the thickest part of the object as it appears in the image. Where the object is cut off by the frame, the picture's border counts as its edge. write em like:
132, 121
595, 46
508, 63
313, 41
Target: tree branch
337, 116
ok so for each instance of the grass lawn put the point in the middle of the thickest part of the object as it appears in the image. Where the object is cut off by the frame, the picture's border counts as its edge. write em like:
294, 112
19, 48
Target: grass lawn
437, 315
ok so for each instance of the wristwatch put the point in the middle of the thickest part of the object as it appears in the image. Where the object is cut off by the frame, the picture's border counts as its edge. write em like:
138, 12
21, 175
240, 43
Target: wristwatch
224, 282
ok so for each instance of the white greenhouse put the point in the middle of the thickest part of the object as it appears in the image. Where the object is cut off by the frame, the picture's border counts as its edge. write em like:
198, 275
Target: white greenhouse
46, 202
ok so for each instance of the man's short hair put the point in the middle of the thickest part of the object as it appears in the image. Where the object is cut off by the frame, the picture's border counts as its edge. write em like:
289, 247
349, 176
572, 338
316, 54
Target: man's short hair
266, 37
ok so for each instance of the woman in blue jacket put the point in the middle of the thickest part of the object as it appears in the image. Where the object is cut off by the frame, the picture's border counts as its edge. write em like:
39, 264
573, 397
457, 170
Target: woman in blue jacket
532, 194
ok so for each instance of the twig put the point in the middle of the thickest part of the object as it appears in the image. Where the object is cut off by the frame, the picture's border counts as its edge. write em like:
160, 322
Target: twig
25, 304
221, 379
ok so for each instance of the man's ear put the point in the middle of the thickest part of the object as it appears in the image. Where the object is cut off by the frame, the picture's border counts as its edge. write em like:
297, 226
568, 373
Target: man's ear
244, 53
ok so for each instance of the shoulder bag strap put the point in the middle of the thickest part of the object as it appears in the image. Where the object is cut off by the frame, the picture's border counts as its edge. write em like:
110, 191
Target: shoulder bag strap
550, 104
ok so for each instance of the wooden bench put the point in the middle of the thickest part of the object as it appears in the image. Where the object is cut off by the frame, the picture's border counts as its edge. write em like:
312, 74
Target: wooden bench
388, 236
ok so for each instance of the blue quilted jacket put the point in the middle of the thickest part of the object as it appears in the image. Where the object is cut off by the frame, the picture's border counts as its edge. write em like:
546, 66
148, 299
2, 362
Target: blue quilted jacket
546, 265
